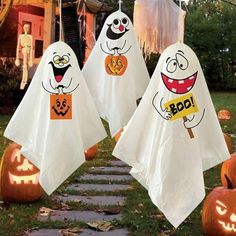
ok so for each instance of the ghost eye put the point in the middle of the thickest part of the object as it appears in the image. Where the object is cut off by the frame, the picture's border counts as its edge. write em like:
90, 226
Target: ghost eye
66, 59
125, 22
171, 66
57, 59
221, 210
116, 23
182, 61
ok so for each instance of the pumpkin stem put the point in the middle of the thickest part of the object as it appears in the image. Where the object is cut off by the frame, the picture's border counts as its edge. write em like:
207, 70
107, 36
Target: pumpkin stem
229, 183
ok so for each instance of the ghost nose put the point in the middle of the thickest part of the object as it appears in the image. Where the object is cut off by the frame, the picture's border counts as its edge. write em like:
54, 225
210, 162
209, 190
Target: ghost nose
233, 217
121, 28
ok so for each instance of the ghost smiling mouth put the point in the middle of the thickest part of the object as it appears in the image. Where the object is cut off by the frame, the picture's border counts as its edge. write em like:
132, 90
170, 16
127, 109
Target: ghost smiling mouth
59, 72
179, 86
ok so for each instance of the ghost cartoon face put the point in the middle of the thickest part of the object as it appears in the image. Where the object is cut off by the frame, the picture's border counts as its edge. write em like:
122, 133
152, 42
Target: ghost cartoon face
61, 65
117, 28
178, 75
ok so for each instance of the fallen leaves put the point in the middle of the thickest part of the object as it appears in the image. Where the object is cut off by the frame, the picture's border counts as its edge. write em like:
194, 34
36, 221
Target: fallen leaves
109, 211
103, 226
44, 211
71, 231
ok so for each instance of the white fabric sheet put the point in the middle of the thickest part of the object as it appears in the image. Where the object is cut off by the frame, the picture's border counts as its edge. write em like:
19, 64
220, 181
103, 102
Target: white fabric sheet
115, 72
167, 158
55, 143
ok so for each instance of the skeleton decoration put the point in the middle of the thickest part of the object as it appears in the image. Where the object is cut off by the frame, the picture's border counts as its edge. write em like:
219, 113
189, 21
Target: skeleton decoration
180, 137
57, 119
115, 71
25, 45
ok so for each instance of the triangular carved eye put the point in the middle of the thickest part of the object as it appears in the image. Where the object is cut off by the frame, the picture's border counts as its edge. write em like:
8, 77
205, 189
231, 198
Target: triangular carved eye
221, 208
16, 155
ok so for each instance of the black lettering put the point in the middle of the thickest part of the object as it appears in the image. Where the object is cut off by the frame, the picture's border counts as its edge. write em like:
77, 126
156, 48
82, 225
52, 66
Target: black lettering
180, 106
187, 104
173, 109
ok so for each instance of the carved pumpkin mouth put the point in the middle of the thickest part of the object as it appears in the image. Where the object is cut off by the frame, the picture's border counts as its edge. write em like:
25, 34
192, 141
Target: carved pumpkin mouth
25, 179
59, 72
228, 226
179, 86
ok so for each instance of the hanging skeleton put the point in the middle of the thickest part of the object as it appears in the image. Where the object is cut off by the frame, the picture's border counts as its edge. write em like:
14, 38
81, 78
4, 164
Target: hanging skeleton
25, 45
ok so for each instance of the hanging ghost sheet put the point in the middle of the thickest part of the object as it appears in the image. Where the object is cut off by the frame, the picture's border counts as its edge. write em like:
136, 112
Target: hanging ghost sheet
158, 24
57, 119
115, 72
174, 135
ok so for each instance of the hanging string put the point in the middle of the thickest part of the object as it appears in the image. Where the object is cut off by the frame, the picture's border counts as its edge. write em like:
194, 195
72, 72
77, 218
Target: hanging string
60, 20
120, 3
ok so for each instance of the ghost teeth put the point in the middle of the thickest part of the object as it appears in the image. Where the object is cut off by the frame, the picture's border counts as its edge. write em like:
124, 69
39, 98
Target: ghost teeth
228, 227
31, 179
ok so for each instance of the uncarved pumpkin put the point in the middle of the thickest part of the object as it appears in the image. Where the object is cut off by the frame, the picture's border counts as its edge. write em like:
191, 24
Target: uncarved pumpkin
19, 178
224, 114
117, 136
229, 168
116, 64
229, 143
219, 212
91, 153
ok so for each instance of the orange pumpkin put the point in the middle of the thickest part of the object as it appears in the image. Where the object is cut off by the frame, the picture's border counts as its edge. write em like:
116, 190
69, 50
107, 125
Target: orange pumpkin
19, 178
229, 142
224, 114
91, 153
116, 64
117, 136
229, 168
219, 211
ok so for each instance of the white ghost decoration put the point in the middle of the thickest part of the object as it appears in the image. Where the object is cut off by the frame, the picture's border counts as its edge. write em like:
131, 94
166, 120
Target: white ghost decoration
174, 135
57, 119
115, 72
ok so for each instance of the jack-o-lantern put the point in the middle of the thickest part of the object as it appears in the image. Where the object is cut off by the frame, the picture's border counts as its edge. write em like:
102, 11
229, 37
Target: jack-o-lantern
229, 142
224, 115
219, 211
116, 64
60, 106
229, 168
91, 153
117, 136
19, 178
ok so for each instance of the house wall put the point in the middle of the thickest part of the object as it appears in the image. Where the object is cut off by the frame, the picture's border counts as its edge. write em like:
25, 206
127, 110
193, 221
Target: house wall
13, 26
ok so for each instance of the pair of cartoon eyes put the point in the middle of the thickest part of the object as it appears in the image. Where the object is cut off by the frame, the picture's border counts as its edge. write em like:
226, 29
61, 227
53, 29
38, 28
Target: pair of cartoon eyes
179, 61
59, 104
117, 22
61, 60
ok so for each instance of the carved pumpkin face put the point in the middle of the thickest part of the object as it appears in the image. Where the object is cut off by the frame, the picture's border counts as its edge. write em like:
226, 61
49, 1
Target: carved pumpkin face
116, 65
19, 180
219, 212
91, 153
229, 168
61, 106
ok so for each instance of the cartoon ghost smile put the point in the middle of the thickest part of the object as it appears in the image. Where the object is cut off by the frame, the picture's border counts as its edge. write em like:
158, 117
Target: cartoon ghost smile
59, 72
117, 29
179, 86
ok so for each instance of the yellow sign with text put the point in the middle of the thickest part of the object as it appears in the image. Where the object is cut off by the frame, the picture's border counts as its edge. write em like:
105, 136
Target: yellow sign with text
182, 106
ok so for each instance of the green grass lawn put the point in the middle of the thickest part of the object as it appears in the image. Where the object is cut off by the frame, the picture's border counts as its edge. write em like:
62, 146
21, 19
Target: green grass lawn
141, 217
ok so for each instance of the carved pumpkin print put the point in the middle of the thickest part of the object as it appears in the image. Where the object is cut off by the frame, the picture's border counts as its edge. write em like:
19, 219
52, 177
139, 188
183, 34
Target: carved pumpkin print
219, 212
229, 168
19, 179
116, 64
91, 153
61, 107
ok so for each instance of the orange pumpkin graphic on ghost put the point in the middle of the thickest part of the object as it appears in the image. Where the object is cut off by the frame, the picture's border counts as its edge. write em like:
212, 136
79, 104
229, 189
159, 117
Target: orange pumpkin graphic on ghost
19, 178
61, 106
116, 64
